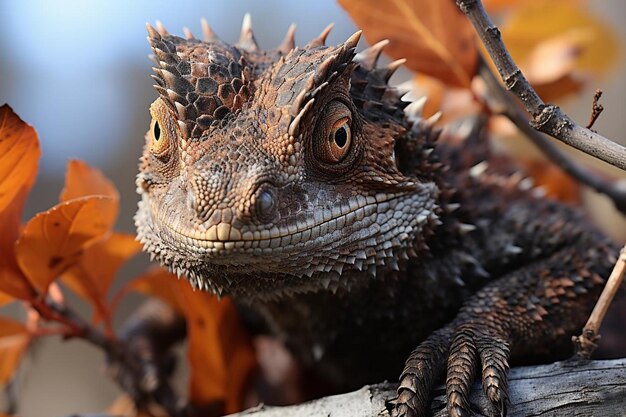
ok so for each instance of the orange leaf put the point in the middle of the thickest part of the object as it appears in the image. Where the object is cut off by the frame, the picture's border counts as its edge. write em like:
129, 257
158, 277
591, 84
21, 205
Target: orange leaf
158, 283
558, 185
434, 36
219, 350
54, 240
560, 87
81, 180
91, 278
535, 22
19, 157
14, 339
499, 5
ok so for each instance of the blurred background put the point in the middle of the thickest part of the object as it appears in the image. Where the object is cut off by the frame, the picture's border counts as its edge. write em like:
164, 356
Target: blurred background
78, 72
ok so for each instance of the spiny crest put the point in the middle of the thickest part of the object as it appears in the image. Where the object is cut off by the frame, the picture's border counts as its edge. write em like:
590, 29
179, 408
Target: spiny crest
205, 80
323, 66
201, 81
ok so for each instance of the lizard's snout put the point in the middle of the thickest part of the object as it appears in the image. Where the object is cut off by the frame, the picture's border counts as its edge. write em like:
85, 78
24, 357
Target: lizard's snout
241, 197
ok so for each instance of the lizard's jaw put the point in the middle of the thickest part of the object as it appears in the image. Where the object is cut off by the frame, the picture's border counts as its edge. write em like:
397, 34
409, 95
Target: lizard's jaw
362, 233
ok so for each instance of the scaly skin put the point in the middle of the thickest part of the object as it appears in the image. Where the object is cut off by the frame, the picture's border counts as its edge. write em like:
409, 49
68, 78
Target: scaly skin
297, 181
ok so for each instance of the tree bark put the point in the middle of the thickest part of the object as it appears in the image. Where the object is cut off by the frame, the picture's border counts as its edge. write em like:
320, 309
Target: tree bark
569, 388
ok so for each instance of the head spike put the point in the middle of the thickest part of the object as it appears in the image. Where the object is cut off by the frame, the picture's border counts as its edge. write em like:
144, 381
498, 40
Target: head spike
353, 40
432, 120
416, 108
161, 29
188, 33
152, 32
369, 57
290, 40
207, 32
321, 39
246, 39
393, 67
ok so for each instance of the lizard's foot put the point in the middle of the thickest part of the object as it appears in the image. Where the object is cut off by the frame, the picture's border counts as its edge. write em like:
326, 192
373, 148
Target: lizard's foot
455, 351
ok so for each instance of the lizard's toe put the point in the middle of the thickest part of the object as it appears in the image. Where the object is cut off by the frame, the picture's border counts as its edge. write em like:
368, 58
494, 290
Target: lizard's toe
494, 356
470, 345
425, 366
461, 372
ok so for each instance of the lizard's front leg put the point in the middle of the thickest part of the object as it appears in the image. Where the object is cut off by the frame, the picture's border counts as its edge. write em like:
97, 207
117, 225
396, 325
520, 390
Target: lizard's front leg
523, 312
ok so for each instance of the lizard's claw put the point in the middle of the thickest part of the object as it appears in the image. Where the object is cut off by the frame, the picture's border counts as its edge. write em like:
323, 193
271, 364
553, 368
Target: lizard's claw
455, 351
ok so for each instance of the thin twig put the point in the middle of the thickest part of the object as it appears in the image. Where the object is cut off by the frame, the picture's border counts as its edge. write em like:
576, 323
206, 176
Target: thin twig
507, 106
547, 118
586, 343
596, 109
128, 370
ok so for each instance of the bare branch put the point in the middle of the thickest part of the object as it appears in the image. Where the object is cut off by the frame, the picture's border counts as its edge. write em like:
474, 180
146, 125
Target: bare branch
563, 388
507, 106
547, 118
586, 343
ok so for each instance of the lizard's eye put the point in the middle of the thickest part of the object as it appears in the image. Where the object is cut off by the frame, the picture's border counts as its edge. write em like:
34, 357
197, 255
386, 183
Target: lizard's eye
334, 143
159, 143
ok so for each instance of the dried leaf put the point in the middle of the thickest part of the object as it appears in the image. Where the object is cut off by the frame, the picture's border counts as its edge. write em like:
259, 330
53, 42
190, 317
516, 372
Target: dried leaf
81, 180
558, 88
219, 350
19, 157
434, 36
158, 283
454, 103
54, 240
556, 183
96, 269
495, 6
534, 23
14, 339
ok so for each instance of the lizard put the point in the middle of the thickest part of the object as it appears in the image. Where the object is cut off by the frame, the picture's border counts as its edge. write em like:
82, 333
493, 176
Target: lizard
297, 181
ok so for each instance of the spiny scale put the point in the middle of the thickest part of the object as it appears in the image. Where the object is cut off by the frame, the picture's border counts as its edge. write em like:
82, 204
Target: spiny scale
247, 41
321, 39
368, 58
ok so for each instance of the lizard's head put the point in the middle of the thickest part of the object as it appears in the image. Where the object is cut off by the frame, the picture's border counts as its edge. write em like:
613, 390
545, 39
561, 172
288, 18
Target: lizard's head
266, 172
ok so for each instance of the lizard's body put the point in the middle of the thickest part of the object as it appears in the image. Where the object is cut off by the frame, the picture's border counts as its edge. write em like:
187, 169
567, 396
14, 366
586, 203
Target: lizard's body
364, 336
293, 180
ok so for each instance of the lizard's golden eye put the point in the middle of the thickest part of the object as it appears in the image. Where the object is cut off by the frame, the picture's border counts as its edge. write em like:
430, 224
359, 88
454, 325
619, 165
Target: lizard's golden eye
339, 140
335, 142
159, 142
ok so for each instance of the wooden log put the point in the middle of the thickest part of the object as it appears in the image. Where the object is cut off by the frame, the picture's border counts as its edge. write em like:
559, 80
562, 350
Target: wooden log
569, 388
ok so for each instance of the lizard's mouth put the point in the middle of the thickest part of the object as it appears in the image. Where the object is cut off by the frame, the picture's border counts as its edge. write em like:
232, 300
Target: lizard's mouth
223, 238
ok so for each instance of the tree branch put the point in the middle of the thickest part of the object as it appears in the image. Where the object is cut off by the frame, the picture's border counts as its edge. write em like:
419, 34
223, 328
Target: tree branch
507, 106
563, 388
547, 118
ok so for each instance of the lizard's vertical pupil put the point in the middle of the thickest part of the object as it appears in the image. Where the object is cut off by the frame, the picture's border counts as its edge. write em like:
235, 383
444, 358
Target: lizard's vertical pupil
341, 137
156, 131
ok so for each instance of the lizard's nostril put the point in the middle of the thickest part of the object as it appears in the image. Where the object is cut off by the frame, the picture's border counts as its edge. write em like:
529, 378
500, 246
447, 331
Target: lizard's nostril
266, 202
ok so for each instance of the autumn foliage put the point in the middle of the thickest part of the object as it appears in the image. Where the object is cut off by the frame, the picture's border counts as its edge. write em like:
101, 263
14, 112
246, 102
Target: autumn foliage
559, 45
73, 247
